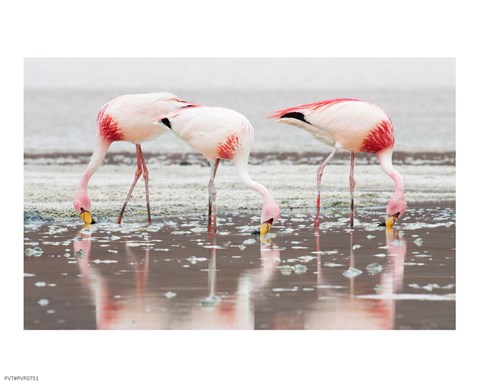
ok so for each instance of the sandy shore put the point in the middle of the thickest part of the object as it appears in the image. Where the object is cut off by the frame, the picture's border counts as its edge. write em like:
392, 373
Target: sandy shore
178, 182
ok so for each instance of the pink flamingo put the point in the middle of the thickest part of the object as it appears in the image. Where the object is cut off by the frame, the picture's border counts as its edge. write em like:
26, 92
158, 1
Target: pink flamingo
126, 118
356, 126
220, 133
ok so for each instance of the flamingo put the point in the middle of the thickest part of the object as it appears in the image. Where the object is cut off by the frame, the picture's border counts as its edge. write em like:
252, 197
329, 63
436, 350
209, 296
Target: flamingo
126, 118
356, 126
221, 133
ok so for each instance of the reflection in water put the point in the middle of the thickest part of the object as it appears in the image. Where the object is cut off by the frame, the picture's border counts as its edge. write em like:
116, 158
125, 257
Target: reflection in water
148, 309
110, 312
231, 311
351, 312
177, 276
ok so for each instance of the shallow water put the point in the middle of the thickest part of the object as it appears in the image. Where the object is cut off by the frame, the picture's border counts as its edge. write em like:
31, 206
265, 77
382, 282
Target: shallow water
173, 275
64, 120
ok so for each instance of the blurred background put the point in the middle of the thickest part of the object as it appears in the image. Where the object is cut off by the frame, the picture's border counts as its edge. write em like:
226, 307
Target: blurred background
63, 96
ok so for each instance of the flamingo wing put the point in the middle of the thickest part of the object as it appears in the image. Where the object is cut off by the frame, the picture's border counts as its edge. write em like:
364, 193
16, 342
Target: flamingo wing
212, 131
308, 108
352, 124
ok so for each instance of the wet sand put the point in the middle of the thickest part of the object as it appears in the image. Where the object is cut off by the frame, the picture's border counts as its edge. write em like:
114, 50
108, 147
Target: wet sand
172, 275
178, 182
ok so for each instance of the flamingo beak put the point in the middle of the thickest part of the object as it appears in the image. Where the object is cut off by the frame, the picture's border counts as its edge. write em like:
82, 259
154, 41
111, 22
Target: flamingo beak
266, 226
391, 220
86, 216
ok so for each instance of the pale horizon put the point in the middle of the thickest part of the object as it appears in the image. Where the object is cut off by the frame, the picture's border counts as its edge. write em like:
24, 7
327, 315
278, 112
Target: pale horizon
239, 73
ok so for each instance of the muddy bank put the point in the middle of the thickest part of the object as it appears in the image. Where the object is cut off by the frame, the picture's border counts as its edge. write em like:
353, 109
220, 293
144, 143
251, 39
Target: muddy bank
265, 158
178, 183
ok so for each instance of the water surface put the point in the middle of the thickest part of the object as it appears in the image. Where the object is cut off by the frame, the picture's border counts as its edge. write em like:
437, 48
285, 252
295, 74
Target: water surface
64, 120
173, 275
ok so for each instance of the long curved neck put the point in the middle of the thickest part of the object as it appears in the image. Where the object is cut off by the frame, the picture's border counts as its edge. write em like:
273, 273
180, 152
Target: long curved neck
242, 167
95, 161
385, 158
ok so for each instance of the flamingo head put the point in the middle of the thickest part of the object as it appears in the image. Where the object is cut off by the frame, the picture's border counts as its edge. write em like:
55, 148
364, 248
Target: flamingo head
82, 204
395, 209
270, 214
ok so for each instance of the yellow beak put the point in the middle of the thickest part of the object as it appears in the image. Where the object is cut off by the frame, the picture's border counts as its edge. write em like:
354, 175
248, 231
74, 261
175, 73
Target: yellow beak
390, 221
86, 217
265, 227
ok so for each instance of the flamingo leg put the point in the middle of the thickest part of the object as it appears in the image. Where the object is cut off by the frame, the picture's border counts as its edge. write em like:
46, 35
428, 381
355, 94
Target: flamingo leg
319, 259
138, 172
319, 180
212, 300
212, 194
352, 265
352, 186
145, 178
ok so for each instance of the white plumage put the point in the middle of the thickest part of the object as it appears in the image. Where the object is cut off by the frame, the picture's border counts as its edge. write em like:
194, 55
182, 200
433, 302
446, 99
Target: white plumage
214, 132
126, 118
221, 133
356, 126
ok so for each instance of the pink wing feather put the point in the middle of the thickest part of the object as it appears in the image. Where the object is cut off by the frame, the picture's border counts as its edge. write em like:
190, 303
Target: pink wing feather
311, 106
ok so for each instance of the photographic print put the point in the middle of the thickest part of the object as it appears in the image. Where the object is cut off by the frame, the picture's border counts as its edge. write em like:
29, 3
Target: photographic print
239, 193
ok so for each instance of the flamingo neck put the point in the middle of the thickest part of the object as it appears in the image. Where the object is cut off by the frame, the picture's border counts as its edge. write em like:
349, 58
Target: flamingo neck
385, 158
95, 161
247, 180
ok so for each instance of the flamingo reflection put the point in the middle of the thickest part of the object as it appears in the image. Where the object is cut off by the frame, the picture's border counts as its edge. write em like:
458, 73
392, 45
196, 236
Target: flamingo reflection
237, 310
111, 313
142, 304
352, 311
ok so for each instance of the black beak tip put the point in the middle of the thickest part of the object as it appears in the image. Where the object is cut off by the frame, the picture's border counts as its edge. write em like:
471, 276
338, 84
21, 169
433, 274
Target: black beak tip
382, 224
256, 232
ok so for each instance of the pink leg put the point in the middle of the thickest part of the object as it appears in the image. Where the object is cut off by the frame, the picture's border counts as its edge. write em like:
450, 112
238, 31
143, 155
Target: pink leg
212, 194
141, 169
319, 258
352, 186
352, 265
145, 178
138, 172
319, 180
